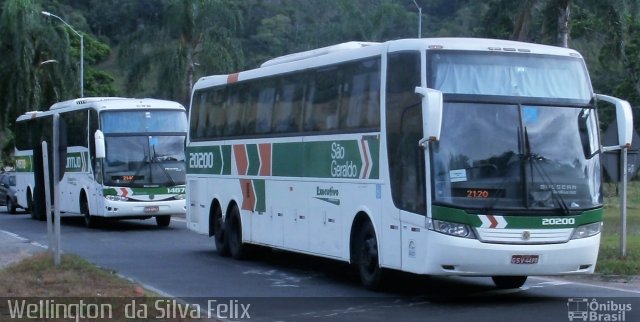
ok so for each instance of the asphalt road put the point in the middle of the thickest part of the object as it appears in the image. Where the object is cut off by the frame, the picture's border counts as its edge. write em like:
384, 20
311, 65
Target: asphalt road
281, 286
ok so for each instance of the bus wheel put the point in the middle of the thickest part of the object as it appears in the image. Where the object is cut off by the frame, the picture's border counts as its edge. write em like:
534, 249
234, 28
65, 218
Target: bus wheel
506, 282
219, 233
367, 258
11, 207
36, 212
30, 203
89, 221
163, 221
237, 248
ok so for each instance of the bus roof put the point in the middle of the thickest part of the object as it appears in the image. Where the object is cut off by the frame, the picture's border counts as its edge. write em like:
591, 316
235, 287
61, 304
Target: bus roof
355, 50
317, 52
104, 103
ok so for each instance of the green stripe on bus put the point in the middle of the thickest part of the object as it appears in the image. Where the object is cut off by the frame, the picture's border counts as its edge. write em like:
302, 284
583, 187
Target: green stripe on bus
518, 221
117, 191
24, 163
340, 159
209, 160
374, 147
285, 159
261, 203
77, 162
254, 159
226, 159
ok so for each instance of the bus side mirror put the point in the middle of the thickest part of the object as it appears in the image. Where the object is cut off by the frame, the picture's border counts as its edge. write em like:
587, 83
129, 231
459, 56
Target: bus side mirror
100, 147
431, 113
624, 119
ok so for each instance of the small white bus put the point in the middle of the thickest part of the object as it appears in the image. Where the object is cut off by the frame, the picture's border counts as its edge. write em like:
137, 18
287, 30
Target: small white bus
142, 174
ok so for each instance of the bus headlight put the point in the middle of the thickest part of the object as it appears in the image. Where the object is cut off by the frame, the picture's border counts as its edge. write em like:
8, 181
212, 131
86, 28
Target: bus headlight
116, 198
588, 230
451, 228
179, 197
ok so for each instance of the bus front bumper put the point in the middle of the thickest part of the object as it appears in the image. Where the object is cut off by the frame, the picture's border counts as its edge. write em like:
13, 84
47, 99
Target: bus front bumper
448, 255
115, 209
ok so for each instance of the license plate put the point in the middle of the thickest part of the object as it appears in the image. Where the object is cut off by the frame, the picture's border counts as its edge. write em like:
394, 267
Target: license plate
524, 259
151, 209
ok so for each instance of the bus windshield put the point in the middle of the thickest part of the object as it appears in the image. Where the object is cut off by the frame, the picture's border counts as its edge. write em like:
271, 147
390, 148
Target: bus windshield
509, 74
140, 121
144, 148
505, 157
496, 152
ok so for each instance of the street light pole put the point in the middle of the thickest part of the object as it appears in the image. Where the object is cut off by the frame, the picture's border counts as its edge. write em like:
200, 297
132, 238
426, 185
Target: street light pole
48, 14
419, 19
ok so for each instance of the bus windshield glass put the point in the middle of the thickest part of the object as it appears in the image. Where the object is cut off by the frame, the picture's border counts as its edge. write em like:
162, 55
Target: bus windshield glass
505, 157
509, 74
151, 157
140, 121
497, 152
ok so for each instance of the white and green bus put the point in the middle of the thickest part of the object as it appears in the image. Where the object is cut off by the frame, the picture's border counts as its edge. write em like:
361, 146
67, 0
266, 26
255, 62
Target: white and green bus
469, 157
125, 158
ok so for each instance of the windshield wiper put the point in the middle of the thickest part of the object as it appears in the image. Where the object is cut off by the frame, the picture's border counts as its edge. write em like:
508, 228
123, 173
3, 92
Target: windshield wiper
144, 162
534, 161
165, 158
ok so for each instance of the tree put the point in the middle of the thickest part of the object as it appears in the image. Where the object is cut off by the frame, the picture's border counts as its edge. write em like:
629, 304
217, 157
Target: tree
26, 42
191, 38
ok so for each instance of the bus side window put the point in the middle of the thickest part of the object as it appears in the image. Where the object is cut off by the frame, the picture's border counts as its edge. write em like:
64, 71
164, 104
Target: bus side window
360, 108
216, 113
321, 112
288, 106
264, 106
201, 118
234, 107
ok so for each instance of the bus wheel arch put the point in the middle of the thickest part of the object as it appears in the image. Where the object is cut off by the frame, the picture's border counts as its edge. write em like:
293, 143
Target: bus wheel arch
233, 228
364, 251
216, 228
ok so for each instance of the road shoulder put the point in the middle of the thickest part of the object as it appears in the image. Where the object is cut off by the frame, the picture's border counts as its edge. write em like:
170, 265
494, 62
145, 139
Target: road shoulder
14, 248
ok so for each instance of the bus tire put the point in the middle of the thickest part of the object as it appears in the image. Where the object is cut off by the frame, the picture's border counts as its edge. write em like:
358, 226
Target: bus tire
11, 207
89, 220
237, 248
507, 282
219, 233
163, 221
30, 203
367, 262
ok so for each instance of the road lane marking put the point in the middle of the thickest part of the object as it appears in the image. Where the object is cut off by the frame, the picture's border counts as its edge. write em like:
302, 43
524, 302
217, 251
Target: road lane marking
554, 282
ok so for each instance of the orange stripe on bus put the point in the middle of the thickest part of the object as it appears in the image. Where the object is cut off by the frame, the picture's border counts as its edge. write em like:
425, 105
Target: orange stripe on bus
265, 159
248, 195
242, 162
232, 78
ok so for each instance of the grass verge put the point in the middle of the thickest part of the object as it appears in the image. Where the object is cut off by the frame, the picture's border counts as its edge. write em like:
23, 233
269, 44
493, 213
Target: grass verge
610, 261
36, 279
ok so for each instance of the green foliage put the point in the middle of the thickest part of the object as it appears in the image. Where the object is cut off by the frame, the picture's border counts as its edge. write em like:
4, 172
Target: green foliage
192, 38
161, 47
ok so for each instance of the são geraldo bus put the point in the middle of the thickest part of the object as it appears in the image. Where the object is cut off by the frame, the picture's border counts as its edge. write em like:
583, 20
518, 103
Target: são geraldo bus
142, 172
440, 156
